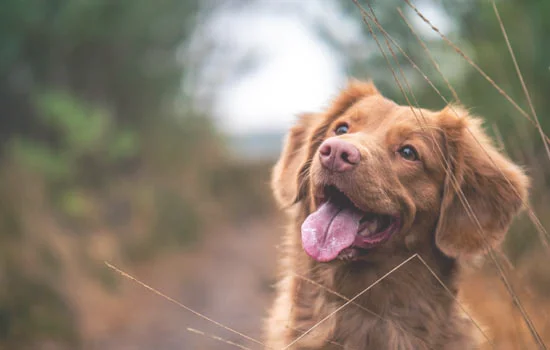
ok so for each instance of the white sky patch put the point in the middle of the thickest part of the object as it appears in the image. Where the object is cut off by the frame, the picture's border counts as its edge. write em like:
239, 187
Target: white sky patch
298, 74
291, 69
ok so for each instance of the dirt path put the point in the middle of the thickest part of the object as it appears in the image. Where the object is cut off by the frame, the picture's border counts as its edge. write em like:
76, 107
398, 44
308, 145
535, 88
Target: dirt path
227, 278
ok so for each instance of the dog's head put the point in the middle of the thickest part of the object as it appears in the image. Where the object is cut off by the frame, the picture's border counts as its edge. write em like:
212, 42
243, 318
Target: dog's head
374, 176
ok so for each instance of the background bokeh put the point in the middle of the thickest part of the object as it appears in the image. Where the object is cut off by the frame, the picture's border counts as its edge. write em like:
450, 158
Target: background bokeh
142, 133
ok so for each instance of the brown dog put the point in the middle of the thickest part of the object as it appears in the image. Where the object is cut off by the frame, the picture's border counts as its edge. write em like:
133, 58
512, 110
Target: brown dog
368, 184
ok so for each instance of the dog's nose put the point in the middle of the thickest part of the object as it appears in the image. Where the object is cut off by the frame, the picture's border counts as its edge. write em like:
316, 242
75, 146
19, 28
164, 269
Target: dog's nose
338, 155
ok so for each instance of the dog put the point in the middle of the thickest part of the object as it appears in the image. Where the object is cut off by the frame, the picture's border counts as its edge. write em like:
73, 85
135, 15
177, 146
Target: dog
368, 184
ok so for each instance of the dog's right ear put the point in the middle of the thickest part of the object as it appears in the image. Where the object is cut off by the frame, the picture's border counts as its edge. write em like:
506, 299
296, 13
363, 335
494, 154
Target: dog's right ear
285, 179
483, 189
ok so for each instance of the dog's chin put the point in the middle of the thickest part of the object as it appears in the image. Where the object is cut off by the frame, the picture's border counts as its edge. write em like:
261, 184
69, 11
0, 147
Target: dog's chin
341, 230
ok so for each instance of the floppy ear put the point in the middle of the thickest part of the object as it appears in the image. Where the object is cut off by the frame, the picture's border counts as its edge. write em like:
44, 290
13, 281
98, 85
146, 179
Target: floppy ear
285, 175
494, 188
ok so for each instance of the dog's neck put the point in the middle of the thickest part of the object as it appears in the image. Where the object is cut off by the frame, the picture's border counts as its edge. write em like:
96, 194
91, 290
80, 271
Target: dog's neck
388, 299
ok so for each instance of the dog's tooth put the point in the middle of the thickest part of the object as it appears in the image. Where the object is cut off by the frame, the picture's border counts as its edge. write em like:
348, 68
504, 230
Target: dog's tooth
373, 226
370, 228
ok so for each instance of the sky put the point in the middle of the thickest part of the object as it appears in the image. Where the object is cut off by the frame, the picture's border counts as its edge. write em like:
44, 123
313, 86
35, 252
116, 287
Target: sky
260, 64
299, 73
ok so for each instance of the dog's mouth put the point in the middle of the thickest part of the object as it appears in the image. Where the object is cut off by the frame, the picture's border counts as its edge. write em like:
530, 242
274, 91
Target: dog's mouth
339, 229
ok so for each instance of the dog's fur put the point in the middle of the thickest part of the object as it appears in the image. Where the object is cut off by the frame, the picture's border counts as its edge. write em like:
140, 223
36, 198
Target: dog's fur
414, 311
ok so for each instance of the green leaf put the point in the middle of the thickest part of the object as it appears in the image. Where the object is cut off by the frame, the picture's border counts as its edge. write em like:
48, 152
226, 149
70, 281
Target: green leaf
41, 159
123, 146
74, 203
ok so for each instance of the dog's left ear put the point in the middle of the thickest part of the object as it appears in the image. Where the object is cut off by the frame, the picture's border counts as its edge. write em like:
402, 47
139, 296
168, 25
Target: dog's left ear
285, 178
493, 188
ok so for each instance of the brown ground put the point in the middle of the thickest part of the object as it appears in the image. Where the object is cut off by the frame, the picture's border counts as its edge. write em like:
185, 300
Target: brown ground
227, 278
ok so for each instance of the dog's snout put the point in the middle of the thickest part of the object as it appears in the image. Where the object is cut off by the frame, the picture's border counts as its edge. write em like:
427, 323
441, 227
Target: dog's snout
338, 155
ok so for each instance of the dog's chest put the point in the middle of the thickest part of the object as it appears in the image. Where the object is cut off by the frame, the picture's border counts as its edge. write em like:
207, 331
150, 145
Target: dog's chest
366, 324
358, 327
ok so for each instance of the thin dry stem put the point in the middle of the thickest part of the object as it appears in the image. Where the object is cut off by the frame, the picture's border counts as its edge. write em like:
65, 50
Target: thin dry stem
498, 136
173, 301
430, 56
520, 76
215, 337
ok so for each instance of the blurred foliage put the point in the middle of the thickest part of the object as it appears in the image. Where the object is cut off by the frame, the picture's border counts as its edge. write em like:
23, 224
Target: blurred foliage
118, 53
86, 145
528, 28
228, 183
474, 27
83, 82
32, 308
35, 313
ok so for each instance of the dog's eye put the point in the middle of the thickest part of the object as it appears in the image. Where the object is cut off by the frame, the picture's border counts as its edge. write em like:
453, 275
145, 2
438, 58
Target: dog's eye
408, 153
341, 129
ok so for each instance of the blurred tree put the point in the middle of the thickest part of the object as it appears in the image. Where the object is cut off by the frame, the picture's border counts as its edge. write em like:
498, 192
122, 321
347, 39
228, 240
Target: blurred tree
119, 54
475, 29
369, 62
82, 85
528, 28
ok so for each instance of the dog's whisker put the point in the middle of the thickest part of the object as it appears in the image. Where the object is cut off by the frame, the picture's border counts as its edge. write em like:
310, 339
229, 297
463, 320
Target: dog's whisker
349, 302
218, 338
173, 301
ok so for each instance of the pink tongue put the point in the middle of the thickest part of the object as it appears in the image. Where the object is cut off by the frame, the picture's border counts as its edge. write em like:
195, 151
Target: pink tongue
329, 230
